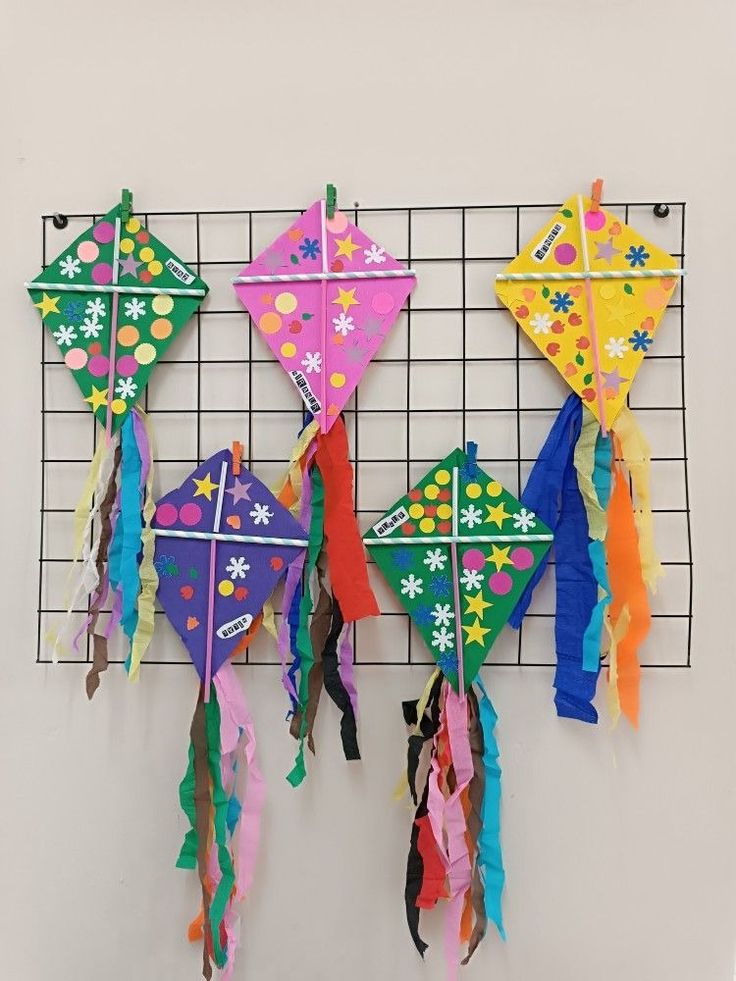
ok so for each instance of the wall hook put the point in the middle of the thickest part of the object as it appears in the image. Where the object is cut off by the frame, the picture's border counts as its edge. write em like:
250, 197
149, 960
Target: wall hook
59, 220
661, 210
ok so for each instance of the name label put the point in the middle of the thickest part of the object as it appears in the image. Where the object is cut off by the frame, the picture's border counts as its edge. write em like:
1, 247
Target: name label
387, 525
310, 399
234, 627
542, 249
183, 275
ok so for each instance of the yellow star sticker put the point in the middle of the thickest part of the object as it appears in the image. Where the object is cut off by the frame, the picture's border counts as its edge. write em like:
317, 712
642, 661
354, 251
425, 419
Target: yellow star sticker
346, 298
475, 633
619, 313
496, 513
500, 557
48, 305
205, 487
98, 398
346, 246
476, 604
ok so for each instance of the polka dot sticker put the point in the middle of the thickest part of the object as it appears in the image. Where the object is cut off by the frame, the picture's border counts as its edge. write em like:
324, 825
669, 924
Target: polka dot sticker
523, 558
145, 276
566, 254
445, 494
132, 225
474, 559
494, 489
285, 303
104, 232
383, 303
426, 525
337, 379
337, 224
607, 291
145, 353
225, 588
473, 491
142, 237
102, 273
444, 511
127, 365
128, 335
595, 220
415, 494
98, 366
87, 251
76, 358
162, 304
118, 406
656, 298
288, 350
442, 477
270, 323
161, 328
126, 245
155, 268
408, 528
431, 491
165, 515
416, 511
147, 254
444, 527
500, 583
190, 514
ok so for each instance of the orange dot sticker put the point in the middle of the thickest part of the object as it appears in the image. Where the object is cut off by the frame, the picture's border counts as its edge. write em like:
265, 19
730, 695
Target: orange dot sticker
270, 323
128, 335
161, 328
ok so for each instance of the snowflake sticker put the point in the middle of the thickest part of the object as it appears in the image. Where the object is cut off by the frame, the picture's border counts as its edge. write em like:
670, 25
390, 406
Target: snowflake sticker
126, 388
525, 520
312, 362
70, 267
471, 516
435, 559
135, 308
237, 567
471, 579
443, 639
65, 335
411, 586
95, 308
261, 514
91, 327
442, 614
374, 254
343, 324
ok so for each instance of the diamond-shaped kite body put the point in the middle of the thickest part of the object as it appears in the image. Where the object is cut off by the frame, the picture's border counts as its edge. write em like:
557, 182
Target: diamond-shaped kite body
458, 550
324, 296
114, 300
590, 292
222, 543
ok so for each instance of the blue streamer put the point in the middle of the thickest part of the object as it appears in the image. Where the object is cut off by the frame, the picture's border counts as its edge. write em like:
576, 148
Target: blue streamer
543, 491
490, 858
292, 618
131, 521
597, 553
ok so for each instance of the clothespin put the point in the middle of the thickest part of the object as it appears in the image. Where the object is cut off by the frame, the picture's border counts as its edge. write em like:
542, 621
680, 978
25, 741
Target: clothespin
237, 457
595, 194
331, 196
471, 451
126, 204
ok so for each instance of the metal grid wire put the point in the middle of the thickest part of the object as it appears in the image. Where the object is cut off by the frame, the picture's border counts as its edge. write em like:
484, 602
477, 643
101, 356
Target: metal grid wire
501, 394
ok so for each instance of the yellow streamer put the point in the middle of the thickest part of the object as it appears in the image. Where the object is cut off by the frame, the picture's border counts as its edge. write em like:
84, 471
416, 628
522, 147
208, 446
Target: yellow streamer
148, 575
616, 633
402, 787
84, 504
637, 456
584, 459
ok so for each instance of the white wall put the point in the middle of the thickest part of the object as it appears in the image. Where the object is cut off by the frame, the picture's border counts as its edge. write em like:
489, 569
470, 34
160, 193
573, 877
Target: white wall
619, 848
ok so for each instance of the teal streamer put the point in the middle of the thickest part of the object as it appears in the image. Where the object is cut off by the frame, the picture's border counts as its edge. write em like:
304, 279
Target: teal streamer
597, 553
490, 858
132, 527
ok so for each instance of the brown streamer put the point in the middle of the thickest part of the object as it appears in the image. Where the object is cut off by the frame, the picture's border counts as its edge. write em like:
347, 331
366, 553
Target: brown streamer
476, 791
202, 804
99, 641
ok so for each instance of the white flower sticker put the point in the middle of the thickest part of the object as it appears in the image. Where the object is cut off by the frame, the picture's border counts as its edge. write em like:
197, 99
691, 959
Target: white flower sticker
443, 639
411, 586
435, 559
524, 520
126, 388
261, 514
91, 327
237, 567
135, 308
69, 267
374, 254
312, 362
541, 322
471, 516
343, 324
95, 308
616, 347
65, 335
471, 579
442, 614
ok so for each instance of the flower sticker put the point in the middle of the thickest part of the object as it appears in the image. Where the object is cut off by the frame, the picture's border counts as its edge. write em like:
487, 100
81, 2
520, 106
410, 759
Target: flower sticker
374, 254
471, 579
309, 248
637, 256
126, 388
562, 302
312, 362
616, 347
641, 340
343, 324
165, 566
540, 322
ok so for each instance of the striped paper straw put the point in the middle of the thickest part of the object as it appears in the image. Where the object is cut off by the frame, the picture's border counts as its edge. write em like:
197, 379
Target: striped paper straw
109, 288
222, 537
600, 274
310, 277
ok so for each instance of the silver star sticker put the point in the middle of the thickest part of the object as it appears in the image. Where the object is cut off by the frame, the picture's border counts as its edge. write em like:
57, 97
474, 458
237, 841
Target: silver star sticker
372, 327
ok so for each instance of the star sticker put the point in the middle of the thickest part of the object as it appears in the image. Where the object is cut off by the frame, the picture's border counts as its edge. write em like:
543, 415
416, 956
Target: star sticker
475, 632
129, 266
346, 298
476, 604
48, 305
607, 251
372, 327
613, 380
239, 490
500, 557
619, 313
273, 260
496, 513
205, 487
98, 398
346, 246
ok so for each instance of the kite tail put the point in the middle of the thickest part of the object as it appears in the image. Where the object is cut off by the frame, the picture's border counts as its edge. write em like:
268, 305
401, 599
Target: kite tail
454, 851
329, 587
222, 794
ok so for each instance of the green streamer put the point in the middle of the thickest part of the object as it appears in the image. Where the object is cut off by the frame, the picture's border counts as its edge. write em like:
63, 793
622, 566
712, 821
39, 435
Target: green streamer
188, 854
220, 807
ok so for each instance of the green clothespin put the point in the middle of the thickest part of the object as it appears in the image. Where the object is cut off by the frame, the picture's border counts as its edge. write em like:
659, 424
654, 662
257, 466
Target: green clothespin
126, 204
331, 200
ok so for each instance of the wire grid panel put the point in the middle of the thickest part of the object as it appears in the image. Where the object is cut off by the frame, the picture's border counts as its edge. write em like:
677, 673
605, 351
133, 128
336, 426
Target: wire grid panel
454, 367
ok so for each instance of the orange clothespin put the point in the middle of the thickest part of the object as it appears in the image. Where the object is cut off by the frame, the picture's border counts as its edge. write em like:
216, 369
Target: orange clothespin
595, 194
237, 457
